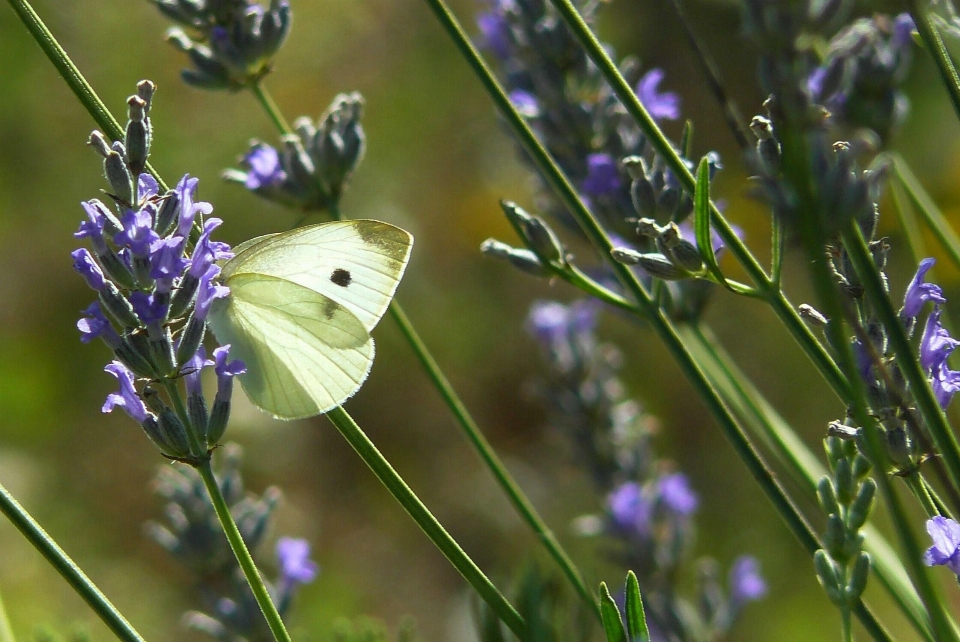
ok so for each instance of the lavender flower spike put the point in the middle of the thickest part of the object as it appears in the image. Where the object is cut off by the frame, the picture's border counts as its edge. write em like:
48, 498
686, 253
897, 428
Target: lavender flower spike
296, 567
919, 292
945, 551
127, 398
661, 106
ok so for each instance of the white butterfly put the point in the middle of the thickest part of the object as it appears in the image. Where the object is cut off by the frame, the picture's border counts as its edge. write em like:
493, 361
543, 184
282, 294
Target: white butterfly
301, 307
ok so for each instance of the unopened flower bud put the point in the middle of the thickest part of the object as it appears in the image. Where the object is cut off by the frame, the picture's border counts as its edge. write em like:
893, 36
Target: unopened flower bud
117, 306
137, 138
858, 578
827, 496
828, 576
151, 397
537, 234
862, 505
190, 339
173, 434
520, 258
811, 315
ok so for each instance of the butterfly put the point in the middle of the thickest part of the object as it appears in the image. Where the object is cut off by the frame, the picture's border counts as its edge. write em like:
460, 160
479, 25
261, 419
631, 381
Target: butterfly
301, 307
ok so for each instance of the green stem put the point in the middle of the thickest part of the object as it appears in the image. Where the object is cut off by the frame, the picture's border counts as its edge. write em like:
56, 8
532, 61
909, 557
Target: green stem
72, 76
428, 523
270, 107
931, 38
471, 430
928, 210
920, 491
67, 568
661, 325
846, 626
6, 631
242, 554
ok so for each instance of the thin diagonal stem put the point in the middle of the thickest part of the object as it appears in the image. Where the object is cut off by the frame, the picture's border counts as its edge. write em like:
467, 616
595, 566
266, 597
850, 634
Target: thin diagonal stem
270, 107
72, 76
375, 460
661, 325
67, 568
931, 38
242, 554
465, 420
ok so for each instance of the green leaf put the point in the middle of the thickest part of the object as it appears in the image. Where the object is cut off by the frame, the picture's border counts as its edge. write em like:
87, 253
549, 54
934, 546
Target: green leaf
610, 614
636, 620
701, 221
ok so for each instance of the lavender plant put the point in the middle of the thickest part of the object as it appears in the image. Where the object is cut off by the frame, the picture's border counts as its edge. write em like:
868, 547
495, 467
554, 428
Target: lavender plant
608, 178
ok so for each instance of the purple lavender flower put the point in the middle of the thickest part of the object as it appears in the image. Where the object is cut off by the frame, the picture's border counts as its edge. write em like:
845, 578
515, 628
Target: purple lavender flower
137, 233
264, 167
903, 27
746, 583
919, 292
86, 266
496, 33
192, 371
148, 307
945, 383
936, 343
550, 321
93, 227
146, 187
226, 371
207, 292
296, 567
677, 495
666, 105
166, 259
629, 509
525, 102
945, 551
603, 177
94, 324
207, 251
186, 189
127, 398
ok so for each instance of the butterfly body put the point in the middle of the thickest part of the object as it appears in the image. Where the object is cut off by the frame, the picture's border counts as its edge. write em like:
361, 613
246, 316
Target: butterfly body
301, 307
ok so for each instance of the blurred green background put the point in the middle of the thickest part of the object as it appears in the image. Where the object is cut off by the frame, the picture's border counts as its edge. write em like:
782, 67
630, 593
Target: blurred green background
437, 163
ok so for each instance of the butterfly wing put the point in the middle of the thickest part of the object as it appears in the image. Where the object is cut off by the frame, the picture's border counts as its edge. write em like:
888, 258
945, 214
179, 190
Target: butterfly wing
305, 353
356, 263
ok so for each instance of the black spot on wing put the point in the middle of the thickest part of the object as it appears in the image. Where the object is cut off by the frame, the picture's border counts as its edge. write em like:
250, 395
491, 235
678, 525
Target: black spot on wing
341, 277
330, 308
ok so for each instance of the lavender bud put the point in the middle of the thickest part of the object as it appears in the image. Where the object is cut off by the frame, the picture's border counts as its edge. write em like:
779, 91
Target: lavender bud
116, 269
145, 90
858, 578
173, 434
199, 417
119, 177
191, 339
117, 306
151, 397
827, 496
861, 467
184, 295
219, 417
134, 357
522, 259
862, 506
168, 212
536, 233
811, 315
161, 352
834, 539
686, 256
299, 162
136, 138
828, 576
843, 476
626, 255
99, 143
653, 263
